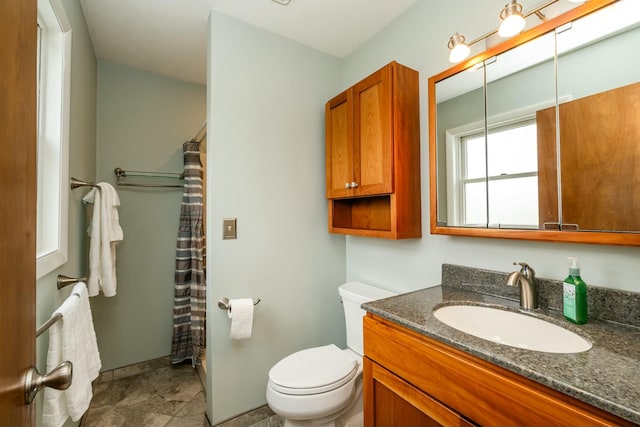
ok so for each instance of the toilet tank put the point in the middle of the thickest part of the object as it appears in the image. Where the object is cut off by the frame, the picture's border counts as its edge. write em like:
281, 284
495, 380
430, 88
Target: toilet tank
353, 295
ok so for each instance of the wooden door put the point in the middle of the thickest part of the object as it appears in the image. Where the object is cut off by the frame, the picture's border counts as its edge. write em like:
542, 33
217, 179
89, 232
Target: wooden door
548, 214
373, 134
339, 145
596, 180
17, 206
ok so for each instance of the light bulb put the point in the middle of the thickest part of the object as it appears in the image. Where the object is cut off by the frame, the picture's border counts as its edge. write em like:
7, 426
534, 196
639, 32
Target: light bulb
512, 20
459, 53
511, 26
458, 48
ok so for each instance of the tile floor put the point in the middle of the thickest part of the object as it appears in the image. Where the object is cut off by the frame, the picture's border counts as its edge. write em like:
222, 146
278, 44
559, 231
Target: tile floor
158, 394
161, 395
261, 417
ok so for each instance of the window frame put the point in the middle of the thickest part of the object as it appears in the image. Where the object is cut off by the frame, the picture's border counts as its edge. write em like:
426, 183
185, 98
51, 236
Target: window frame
463, 179
54, 89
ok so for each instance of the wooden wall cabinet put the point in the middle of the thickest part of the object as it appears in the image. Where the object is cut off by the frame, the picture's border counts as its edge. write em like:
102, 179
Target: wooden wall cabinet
373, 156
435, 384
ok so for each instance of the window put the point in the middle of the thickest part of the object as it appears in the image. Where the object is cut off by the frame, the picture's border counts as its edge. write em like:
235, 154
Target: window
496, 183
53, 83
511, 171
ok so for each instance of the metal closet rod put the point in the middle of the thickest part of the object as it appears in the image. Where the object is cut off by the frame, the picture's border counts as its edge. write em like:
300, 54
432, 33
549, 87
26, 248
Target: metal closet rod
121, 173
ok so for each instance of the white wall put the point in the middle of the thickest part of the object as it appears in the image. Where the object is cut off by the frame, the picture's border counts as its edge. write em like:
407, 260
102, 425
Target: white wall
265, 157
418, 39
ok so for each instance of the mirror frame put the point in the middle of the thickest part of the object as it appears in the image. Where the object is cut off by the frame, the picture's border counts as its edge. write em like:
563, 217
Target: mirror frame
597, 237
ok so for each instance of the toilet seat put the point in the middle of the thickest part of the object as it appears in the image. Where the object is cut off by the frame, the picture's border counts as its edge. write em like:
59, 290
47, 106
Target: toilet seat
313, 371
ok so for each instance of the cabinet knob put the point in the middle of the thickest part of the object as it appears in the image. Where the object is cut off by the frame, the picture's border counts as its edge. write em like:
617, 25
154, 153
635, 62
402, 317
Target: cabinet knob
347, 185
354, 185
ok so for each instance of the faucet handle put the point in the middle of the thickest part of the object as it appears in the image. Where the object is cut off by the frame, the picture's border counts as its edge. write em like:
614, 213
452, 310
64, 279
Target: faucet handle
525, 267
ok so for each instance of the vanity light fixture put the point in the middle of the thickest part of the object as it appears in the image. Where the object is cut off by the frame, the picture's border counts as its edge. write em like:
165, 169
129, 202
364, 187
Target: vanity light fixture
458, 49
513, 21
282, 2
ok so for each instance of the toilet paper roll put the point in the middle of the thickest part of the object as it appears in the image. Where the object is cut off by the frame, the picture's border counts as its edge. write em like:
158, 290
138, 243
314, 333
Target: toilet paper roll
241, 314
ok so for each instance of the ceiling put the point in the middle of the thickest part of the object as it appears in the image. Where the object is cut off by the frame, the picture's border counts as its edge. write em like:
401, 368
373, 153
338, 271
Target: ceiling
169, 37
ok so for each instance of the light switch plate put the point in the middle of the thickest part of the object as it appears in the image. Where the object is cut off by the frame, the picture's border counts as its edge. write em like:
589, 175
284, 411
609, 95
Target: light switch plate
229, 230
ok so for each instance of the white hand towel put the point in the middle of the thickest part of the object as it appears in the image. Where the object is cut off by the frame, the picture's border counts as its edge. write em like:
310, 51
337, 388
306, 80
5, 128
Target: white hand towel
72, 338
93, 282
105, 232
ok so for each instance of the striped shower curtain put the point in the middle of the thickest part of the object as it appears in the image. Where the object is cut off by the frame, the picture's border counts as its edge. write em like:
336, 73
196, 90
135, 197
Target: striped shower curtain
189, 297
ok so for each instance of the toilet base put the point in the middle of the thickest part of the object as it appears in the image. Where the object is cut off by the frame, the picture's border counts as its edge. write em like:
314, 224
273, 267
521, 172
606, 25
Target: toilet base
294, 423
353, 417
356, 420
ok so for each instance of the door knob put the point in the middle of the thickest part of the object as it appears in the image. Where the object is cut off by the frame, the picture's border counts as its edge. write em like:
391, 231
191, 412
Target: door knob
59, 378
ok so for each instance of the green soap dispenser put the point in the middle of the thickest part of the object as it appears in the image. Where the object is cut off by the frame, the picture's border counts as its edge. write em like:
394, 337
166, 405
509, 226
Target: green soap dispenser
575, 295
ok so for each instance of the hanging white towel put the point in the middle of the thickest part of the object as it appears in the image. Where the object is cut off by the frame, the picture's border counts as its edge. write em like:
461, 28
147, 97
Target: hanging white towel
72, 338
105, 232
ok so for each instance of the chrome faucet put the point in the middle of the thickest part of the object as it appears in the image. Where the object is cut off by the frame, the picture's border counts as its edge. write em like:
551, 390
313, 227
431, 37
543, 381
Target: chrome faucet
526, 279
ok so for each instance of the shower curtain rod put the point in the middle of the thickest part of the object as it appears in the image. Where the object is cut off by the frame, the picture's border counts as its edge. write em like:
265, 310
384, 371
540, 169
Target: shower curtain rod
121, 173
201, 133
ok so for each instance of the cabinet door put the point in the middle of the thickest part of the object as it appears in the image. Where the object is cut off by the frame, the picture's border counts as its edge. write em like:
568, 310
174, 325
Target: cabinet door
339, 145
373, 134
390, 401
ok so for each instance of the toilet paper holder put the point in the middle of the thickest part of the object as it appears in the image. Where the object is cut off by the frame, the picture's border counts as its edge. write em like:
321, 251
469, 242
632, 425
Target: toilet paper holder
223, 303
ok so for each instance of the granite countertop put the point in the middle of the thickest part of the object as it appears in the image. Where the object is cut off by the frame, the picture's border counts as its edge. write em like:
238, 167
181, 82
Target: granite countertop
607, 376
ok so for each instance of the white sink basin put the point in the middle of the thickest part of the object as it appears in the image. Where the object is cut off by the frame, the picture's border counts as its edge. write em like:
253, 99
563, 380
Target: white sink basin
510, 328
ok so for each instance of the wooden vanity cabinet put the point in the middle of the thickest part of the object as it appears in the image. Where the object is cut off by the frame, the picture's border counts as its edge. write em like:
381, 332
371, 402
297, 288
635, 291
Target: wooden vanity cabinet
439, 385
373, 156
391, 401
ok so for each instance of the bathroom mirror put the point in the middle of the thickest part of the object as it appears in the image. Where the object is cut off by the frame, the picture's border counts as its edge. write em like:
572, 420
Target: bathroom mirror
538, 138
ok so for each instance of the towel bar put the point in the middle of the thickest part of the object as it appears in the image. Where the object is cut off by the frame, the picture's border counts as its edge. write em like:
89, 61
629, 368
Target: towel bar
121, 173
223, 303
76, 183
66, 280
53, 319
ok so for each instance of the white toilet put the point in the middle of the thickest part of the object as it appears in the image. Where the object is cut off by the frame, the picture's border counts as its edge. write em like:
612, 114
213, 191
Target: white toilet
322, 386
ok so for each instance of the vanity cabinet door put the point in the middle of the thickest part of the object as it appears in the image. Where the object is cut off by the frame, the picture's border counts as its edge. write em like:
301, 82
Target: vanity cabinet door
430, 374
390, 401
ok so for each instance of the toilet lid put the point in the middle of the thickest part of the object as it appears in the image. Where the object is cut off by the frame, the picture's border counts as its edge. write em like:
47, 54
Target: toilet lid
312, 371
